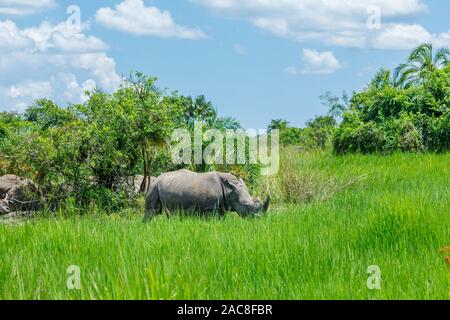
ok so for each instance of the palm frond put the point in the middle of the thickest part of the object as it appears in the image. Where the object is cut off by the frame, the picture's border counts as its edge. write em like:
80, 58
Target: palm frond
442, 57
421, 54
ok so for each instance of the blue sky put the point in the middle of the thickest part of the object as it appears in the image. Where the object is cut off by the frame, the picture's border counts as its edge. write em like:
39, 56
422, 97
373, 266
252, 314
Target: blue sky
256, 60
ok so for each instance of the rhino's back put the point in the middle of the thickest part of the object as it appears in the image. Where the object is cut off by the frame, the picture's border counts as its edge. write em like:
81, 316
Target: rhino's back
190, 191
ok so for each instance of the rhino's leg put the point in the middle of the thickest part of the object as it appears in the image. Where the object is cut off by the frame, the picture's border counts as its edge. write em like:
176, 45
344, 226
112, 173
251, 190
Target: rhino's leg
153, 205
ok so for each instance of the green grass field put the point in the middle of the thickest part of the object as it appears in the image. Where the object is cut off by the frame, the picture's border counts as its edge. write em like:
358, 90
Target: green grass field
393, 212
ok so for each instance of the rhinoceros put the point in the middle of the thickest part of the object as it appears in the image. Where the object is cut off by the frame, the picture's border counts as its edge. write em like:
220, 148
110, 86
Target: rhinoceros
201, 193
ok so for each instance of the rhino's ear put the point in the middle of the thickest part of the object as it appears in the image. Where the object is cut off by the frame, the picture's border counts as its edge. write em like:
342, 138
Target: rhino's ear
230, 184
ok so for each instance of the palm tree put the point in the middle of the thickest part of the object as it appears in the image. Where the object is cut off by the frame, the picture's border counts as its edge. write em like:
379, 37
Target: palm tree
277, 124
224, 123
197, 110
421, 63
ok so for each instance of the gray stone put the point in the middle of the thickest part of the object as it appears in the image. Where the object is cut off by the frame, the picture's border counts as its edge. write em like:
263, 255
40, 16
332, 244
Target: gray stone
17, 194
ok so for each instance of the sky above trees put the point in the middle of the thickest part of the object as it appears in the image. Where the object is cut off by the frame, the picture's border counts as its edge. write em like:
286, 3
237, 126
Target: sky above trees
256, 60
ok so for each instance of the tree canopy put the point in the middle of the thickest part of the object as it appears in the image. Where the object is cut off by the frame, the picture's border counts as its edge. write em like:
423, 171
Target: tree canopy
407, 110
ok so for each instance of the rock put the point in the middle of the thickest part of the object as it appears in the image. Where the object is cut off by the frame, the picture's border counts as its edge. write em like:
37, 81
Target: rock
4, 209
17, 194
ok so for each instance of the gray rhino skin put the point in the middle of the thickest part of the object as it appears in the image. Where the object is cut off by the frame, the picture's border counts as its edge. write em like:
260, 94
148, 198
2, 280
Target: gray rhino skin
201, 193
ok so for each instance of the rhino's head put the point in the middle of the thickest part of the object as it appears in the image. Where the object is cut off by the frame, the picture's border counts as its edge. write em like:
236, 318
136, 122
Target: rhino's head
240, 200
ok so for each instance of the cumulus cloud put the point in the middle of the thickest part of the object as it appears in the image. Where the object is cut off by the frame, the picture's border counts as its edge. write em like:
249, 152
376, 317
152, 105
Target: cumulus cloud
30, 89
132, 16
406, 37
62, 87
47, 37
53, 61
11, 37
335, 22
22, 94
315, 62
24, 7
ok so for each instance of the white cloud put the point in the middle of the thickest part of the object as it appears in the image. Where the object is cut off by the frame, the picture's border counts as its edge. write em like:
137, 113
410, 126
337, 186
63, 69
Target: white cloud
62, 37
24, 7
100, 66
21, 95
30, 89
315, 62
62, 87
406, 37
53, 61
72, 90
11, 37
306, 7
46, 37
132, 16
347, 39
334, 22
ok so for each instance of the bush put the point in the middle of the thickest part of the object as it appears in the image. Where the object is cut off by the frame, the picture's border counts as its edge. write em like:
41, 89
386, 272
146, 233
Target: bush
387, 118
358, 136
298, 182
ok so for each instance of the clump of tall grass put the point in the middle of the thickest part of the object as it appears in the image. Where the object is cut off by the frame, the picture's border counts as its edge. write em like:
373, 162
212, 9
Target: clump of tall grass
299, 182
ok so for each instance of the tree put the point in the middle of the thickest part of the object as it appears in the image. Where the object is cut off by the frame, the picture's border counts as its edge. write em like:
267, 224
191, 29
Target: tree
196, 110
47, 114
320, 130
152, 117
383, 78
420, 64
225, 123
336, 106
288, 135
387, 118
200, 110
277, 124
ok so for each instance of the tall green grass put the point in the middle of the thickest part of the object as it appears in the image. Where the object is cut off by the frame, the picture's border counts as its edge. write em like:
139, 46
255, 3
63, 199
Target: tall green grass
393, 212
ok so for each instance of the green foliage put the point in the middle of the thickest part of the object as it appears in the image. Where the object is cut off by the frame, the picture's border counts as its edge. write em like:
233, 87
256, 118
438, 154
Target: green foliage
201, 111
319, 131
46, 114
88, 154
387, 117
421, 64
277, 124
292, 185
336, 106
317, 134
288, 135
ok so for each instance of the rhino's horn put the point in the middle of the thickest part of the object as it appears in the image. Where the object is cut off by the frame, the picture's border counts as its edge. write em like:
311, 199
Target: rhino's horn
266, 204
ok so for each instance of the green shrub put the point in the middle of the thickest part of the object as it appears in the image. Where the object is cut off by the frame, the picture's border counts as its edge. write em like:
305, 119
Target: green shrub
387, 118
358, 136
